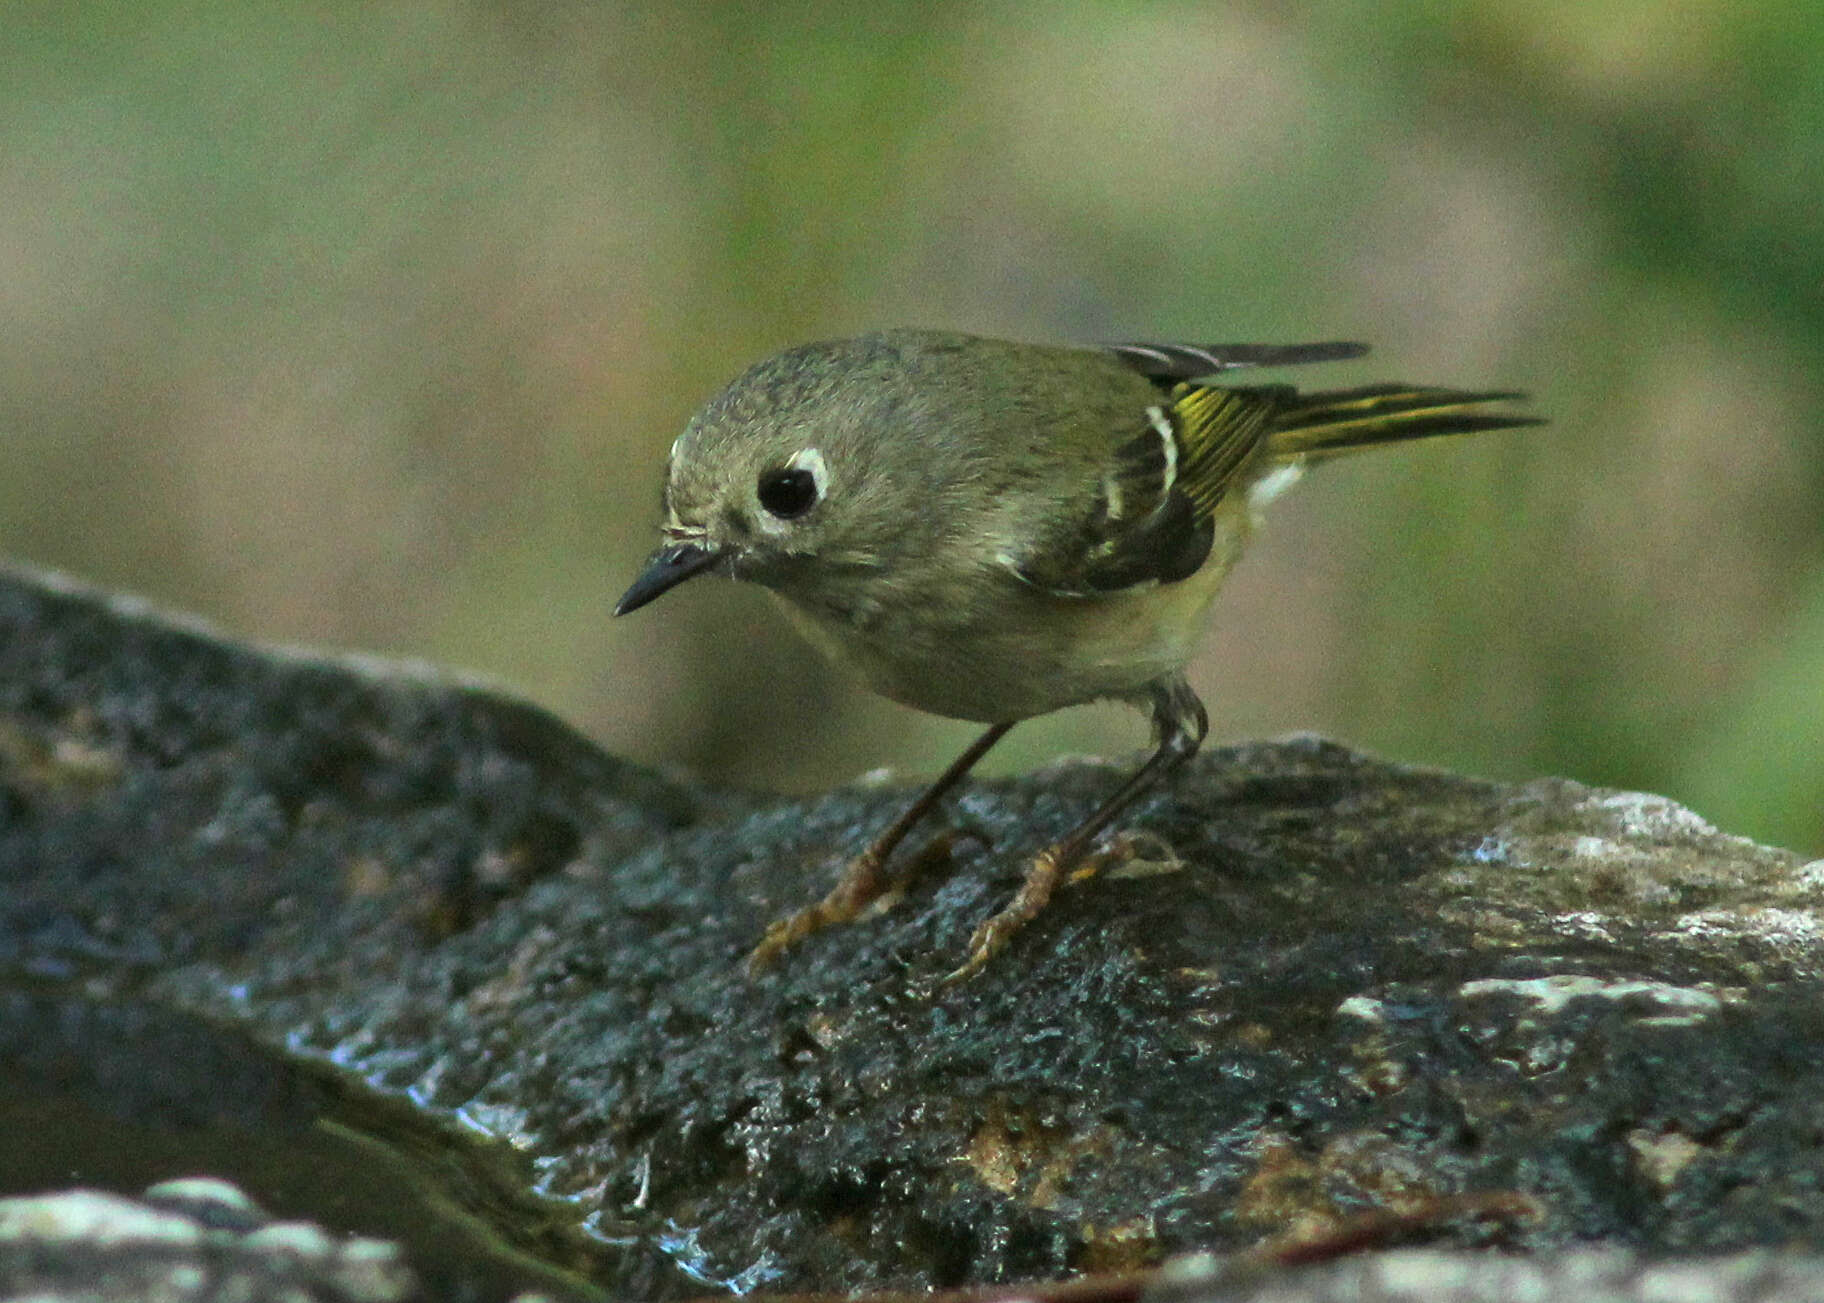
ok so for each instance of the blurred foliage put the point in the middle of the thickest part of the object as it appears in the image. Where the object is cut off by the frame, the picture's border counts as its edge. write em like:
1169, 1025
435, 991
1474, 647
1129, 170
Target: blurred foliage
368, 326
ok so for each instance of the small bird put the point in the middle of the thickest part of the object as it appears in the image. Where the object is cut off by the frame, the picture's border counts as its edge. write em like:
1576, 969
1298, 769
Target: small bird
992, 531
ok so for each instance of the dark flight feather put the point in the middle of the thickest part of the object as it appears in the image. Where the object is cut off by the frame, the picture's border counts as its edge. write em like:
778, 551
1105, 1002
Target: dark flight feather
1151, 518
1323, 425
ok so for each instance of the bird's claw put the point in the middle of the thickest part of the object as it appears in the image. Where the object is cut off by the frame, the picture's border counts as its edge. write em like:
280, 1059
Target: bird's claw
993, 933
860, 885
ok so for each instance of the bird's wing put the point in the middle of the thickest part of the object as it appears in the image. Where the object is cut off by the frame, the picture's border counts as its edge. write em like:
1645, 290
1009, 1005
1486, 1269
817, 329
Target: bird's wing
1166, 364
1150, 515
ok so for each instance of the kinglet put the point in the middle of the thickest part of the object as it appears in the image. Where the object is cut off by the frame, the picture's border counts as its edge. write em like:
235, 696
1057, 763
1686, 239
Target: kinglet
992, 531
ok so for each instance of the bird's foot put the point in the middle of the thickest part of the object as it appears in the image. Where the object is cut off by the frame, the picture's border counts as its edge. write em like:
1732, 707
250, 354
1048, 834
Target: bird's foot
1126, 854
992, 936
863, 886
1131, 853
860, 885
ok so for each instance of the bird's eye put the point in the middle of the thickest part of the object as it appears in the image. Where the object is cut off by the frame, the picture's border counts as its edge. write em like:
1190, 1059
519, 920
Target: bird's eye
788, 493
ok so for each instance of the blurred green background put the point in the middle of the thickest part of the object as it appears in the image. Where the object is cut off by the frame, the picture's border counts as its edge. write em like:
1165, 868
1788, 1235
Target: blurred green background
368, 327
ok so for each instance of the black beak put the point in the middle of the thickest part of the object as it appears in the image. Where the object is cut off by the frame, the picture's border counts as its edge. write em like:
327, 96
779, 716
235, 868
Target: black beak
669, 567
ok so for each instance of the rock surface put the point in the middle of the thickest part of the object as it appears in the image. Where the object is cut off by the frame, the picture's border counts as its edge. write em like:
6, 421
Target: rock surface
1568, 1276
183, 1241
1356, 992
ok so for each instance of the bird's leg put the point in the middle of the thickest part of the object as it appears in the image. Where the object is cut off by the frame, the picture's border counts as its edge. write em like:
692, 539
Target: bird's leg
864, 880
1180, 722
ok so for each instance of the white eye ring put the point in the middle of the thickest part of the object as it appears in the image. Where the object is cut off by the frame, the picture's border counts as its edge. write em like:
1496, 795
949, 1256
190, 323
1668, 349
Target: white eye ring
808, 461
811, 460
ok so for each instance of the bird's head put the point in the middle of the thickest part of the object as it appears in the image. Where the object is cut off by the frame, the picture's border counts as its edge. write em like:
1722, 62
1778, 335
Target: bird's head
788, 474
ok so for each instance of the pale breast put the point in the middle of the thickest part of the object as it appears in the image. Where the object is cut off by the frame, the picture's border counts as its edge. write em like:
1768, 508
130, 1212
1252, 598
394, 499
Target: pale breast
1011, 652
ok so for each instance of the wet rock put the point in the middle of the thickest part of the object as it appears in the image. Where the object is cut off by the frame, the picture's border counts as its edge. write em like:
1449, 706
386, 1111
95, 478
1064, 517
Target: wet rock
111, 1093
1350, 990
1431, 1276
193, 1240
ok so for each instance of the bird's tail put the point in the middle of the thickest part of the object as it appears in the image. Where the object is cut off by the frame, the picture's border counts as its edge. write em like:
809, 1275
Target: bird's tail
1309, 427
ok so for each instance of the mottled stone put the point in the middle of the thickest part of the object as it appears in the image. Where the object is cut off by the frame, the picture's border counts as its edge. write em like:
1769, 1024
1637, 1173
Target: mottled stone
1566, 1276
89, 1246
